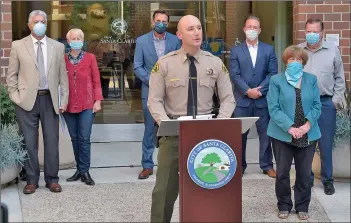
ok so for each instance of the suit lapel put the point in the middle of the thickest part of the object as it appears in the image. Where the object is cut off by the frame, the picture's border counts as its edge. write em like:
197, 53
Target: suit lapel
259, 53
168, 44
30, 48
247, 53
50, 51
152, 45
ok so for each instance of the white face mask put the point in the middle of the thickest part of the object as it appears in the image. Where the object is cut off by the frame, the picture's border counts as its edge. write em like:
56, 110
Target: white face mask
251, 34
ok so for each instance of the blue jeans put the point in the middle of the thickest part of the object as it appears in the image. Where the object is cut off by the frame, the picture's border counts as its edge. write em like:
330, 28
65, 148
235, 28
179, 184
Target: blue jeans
148, 144
79, 127
327, 126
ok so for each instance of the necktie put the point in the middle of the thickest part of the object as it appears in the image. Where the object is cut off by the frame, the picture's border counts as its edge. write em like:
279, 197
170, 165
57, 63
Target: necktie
193, 89
41, 66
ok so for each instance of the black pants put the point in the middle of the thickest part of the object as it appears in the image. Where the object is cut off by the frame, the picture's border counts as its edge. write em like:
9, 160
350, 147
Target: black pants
28, 121
284, 154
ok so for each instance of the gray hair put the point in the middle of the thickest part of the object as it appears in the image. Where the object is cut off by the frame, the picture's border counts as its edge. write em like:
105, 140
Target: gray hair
75, 30
37, 12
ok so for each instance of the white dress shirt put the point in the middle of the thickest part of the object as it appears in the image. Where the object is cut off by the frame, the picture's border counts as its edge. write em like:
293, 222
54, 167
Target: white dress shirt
253, 52
44, 47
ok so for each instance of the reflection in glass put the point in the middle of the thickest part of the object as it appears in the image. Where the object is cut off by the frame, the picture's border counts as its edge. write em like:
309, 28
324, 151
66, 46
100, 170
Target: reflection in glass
111, 28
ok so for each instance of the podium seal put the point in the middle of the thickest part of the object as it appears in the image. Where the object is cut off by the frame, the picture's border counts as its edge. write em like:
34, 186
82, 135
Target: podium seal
211, 164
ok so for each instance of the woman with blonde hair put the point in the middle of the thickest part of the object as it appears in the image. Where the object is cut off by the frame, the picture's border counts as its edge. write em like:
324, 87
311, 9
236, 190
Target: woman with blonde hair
294, 107
84, 101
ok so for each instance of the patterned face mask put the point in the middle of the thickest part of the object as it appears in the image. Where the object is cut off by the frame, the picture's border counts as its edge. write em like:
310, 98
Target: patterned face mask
160, 27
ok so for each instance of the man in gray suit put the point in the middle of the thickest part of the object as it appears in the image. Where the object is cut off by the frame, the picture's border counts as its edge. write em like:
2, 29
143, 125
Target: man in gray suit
36, 69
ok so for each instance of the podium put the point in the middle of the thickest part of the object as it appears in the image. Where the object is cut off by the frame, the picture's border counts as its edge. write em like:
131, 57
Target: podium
210, 172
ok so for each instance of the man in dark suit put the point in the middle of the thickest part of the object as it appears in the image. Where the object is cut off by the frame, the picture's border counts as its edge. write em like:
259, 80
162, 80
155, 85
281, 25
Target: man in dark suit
149, 48
252, 63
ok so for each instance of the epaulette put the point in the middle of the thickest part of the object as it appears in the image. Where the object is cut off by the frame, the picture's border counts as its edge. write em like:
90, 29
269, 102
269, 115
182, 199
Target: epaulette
169, 54
206, 53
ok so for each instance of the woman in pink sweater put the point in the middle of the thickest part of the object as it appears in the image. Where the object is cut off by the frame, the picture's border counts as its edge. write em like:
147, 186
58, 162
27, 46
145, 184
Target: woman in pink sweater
84, 101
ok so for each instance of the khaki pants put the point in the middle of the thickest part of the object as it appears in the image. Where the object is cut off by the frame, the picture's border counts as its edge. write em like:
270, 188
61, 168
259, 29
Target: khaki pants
166, 189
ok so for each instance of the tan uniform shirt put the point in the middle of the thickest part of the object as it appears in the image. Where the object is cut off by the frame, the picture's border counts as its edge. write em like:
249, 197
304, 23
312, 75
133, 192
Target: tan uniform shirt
169, 80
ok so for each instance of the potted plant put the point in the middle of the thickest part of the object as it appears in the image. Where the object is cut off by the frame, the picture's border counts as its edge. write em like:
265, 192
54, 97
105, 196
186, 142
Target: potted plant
341, 146
7, 111
11, 147
12, 153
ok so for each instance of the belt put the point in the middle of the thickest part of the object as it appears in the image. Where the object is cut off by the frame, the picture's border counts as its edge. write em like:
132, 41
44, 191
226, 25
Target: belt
43, 92
326, 96
173, 117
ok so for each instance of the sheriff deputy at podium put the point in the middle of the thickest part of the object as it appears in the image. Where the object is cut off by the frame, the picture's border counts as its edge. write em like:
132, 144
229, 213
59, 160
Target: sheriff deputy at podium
183, 82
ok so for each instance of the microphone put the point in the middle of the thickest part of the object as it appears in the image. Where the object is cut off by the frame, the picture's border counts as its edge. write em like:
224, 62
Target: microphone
191, 87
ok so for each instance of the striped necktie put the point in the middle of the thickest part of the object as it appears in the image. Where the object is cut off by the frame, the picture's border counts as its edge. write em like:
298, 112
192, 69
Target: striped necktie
41, 66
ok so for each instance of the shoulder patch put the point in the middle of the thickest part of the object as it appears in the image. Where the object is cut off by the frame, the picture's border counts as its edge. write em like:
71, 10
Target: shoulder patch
156, 68
224, 69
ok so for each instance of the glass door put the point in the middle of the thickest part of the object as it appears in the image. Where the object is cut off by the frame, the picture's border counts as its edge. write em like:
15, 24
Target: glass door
111, 29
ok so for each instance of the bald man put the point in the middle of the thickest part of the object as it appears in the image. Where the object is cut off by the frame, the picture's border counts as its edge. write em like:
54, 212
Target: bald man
170, 98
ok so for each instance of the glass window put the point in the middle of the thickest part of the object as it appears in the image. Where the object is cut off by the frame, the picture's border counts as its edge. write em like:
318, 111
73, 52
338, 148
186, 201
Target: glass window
111, 28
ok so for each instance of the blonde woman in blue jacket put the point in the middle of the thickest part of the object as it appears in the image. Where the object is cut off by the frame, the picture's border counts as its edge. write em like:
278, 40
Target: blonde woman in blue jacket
294, 107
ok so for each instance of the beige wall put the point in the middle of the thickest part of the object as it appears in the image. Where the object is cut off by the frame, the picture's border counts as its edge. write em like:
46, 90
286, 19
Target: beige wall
267, 12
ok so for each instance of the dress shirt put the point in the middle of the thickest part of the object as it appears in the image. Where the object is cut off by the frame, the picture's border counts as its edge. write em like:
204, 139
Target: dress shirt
327, 65
253, 52
45, 54
160, 45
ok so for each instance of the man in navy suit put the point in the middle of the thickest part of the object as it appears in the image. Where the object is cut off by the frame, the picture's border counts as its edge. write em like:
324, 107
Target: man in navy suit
252, 63
149, 48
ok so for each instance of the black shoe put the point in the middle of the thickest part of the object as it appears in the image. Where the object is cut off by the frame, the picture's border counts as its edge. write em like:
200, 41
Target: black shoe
329, 188
75, 177
87, 179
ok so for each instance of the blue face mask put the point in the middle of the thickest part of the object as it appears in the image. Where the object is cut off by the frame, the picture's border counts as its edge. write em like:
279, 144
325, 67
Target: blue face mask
293, 73
39, 29
160, 27
312, 38
76, 44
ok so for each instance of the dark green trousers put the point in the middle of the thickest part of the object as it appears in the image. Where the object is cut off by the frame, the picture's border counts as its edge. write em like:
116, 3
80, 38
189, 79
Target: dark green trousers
166, 189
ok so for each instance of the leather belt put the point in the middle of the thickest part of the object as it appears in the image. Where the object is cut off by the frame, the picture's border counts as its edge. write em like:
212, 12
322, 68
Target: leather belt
326, 96
43, 92
173, 117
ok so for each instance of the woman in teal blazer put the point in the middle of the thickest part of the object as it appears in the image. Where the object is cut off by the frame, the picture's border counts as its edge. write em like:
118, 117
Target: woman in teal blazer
294, 108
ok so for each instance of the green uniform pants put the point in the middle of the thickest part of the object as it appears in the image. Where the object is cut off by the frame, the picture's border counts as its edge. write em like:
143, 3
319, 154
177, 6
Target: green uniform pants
166, 189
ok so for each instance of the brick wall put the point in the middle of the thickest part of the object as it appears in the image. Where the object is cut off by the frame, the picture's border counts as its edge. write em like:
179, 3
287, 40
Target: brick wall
230, 22
336, 17
141, 20
6, 37
236, 13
